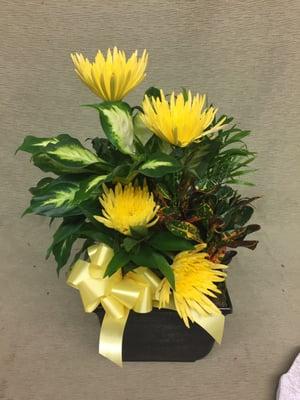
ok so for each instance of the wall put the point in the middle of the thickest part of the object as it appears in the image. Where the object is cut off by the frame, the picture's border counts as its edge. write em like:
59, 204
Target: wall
245, 55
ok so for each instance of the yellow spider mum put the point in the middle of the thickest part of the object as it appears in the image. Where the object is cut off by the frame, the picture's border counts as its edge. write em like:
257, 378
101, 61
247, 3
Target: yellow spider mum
126, 207
113, 77
195, 278
179, 122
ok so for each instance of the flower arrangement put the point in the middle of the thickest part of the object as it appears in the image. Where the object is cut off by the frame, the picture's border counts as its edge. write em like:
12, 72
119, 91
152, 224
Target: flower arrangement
152, 203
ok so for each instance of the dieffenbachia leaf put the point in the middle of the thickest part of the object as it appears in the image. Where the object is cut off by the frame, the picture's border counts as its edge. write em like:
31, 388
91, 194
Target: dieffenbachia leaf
70, 153
158, 165
63, 154
34, 145
88, 186
141, 132
116, 121
57, 199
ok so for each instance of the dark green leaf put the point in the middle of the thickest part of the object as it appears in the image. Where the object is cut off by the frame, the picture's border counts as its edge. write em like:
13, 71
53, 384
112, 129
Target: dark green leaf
62, 251
129, 244
119, 260
153, 92
165, 241
147, 257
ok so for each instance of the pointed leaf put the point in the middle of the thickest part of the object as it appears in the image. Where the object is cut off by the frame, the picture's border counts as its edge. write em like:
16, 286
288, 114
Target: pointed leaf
158, 165
165, 241
150, 258
119, 260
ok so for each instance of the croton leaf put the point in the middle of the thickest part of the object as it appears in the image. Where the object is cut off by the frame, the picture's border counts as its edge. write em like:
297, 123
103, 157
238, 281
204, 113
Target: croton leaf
184, 229
166, 241
228, 237
158, 165
147, 257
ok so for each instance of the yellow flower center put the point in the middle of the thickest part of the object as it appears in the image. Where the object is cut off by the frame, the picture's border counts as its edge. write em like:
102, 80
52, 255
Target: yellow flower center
127, 207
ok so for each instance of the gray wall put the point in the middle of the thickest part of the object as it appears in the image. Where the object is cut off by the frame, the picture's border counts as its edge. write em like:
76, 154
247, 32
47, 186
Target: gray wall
245, 55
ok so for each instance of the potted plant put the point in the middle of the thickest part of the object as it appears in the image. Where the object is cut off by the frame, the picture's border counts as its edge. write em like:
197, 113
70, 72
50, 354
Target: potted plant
153, 208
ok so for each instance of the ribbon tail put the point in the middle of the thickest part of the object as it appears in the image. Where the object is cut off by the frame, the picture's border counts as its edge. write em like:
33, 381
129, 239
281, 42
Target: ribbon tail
212, 324
111, 337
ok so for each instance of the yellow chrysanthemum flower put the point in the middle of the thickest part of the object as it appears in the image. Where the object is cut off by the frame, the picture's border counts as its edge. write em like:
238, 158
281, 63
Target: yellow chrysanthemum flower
127, 207
179, 122
195, 278
113, 77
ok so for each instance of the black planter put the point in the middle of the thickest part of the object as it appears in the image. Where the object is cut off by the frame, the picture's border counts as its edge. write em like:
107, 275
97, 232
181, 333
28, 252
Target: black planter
162, 336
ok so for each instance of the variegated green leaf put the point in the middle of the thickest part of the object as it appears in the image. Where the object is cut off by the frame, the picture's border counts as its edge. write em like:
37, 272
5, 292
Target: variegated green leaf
70, 152
116, 121
140, 130
34, 145
158, 165
88, 186
63, 155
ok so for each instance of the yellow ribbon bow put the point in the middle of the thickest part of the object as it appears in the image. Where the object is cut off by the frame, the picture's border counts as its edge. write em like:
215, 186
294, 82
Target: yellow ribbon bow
116, 294
119, 294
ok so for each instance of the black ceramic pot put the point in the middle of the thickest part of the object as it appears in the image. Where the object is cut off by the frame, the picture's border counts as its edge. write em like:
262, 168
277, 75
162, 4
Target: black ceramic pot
162, 336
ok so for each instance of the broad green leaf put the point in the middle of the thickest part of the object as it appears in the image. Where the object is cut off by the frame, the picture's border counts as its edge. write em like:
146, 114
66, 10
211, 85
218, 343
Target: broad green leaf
70, 153
158, 165
140, 130
119, 260
184, 229
139, 231
41, 184
57, 199
129, 244
62, 154
98, 234
34, 145
166, 241
116, 121
147, 257
88, 186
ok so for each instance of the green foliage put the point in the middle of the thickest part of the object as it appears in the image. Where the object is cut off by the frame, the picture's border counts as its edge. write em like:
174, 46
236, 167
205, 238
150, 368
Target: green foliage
158, 165
192, 186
